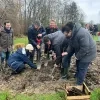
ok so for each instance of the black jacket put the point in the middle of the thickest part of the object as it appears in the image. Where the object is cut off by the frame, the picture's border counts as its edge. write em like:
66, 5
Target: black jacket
32, 34
51, 30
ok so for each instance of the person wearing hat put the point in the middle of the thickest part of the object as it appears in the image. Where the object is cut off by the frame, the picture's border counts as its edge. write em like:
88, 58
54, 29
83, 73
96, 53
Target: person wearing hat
18, 59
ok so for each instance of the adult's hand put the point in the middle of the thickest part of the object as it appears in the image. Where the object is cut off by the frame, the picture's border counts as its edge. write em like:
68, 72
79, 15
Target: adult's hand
38, 46
64, 53
54, 56
40, 35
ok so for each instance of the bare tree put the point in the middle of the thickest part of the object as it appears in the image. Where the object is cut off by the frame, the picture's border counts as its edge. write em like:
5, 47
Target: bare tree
23, 13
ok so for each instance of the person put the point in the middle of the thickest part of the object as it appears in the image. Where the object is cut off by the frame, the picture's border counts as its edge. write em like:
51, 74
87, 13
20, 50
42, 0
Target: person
6, 41
82, 44
18, 59
35, 33
87, 26
95, 29
55, 40
50, 29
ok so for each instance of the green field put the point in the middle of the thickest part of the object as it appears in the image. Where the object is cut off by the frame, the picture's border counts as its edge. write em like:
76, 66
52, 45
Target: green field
21, 40
96, 38
25, 40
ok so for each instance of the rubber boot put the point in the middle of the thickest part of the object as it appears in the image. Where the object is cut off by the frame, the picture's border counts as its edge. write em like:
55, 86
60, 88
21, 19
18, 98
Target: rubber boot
64, 73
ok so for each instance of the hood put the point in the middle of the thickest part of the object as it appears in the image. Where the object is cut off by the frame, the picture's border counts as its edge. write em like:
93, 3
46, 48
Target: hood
21, 51
76, 28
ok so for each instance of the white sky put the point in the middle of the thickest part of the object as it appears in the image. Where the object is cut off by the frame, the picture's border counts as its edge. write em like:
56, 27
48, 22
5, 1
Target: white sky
91, 8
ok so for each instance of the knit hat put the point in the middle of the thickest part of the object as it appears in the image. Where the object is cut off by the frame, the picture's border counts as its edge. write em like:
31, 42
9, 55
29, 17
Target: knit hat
29, 47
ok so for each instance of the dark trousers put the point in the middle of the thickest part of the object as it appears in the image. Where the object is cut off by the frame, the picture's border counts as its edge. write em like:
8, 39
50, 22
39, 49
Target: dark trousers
81, 70
66, 60
46, 50
20, 68
31, 55
81, 67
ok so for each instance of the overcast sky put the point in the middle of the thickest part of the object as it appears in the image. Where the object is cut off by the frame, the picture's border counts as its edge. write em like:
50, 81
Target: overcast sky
91, 9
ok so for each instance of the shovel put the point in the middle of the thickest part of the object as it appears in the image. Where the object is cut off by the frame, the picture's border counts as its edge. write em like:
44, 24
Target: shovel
51, 75
38, 65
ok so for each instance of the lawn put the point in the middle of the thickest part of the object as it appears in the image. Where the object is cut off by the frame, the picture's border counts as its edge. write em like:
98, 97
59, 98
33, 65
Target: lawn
96, 38
25, 40
95, 95
56, 96
21, 40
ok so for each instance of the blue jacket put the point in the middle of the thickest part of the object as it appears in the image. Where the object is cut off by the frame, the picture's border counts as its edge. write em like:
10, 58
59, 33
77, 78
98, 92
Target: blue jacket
32, 34
18, 58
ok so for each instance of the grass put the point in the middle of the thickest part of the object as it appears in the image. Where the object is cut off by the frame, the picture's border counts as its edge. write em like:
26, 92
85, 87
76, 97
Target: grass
95, 95
96, 38
21, 40
56, 96
25, 40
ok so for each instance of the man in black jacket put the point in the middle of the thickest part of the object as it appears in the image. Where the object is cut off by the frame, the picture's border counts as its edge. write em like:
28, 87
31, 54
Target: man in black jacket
50, 29
84, 47
35, 33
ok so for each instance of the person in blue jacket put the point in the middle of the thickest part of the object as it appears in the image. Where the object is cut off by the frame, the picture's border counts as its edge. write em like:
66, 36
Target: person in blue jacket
35, 34
18, 59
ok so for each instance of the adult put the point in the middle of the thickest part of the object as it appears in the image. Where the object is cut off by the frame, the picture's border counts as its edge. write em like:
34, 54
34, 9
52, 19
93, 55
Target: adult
55, 41
84, 47
6, 41
50, 29
35, 33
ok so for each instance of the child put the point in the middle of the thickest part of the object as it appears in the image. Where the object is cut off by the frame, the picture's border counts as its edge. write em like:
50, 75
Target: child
18, 59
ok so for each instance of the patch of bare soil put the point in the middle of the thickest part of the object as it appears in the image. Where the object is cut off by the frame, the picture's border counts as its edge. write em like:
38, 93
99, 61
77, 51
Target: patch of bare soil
33, 81
93, 75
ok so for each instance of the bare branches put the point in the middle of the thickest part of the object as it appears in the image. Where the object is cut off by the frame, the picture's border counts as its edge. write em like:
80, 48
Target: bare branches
22, 13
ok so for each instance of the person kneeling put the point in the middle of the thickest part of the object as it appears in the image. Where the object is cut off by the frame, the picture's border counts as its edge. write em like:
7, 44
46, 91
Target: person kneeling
18, 59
